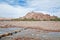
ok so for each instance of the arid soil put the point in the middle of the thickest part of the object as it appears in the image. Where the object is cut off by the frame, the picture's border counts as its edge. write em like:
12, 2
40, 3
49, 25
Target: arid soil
41, 25
26, 39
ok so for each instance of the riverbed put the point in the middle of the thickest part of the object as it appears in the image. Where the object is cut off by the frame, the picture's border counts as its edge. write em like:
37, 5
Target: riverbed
42, 25
30, 33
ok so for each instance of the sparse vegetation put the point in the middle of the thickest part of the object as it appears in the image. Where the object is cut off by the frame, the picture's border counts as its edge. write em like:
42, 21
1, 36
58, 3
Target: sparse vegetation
25, 19
32, 19
56, 19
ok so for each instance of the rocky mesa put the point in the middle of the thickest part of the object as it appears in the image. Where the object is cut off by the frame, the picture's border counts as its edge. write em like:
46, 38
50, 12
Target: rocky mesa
38, 16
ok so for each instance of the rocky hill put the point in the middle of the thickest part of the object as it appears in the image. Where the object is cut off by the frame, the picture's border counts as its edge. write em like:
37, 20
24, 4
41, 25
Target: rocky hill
38, 16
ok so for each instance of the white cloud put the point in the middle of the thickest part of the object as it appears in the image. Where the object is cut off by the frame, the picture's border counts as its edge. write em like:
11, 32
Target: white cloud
51, 7
44, 3
10, 11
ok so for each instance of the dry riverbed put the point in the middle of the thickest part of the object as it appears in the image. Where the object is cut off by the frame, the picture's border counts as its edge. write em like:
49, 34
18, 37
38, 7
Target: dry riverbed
41, 25
31, 30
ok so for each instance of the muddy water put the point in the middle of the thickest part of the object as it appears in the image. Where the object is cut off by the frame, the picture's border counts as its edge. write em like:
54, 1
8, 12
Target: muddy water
30, 33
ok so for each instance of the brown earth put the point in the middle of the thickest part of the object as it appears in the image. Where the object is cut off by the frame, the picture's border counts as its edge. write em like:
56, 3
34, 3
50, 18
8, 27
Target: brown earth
41, 25
19, 38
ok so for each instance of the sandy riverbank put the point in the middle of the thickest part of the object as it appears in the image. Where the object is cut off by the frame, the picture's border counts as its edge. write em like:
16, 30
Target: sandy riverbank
42, 25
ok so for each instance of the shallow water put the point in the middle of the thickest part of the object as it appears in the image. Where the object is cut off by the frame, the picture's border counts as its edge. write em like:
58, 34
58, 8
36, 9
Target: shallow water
31, 33
8, 30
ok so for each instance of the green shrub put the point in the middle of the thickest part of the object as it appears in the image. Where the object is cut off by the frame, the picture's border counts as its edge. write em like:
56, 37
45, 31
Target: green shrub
32, 19
25, 19
56, 19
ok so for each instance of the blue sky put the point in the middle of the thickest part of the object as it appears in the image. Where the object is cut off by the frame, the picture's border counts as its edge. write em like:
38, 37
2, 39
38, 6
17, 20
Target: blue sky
18, 8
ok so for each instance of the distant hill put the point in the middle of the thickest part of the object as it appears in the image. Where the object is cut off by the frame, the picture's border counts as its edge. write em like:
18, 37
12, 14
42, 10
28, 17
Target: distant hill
4, 19
38, 16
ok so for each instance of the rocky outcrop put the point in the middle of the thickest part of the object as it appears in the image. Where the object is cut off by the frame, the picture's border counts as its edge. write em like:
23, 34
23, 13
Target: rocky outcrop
38, 16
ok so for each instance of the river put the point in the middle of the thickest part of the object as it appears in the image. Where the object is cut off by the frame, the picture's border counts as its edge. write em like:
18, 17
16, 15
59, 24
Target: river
31, 33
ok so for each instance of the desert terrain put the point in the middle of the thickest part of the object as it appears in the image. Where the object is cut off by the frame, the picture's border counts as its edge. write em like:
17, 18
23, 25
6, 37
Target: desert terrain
42, 25
30, 30
32, 26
